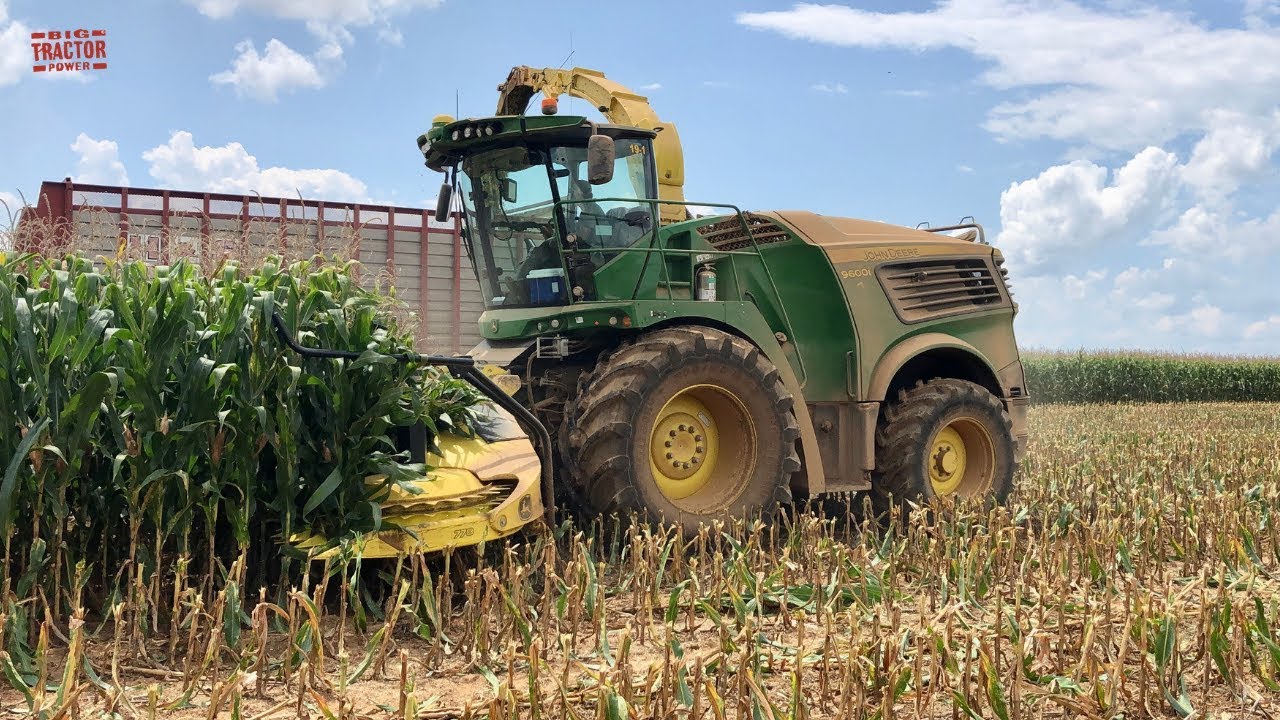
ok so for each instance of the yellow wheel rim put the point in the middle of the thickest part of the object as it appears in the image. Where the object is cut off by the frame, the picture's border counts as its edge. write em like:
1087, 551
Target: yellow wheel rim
962, 458
701, 440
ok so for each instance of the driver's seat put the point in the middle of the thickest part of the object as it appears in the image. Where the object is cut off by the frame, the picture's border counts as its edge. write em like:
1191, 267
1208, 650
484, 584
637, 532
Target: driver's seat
626, 234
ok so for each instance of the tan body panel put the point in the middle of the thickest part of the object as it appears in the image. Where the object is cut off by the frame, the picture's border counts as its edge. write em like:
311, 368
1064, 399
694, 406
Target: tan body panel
849, 239
891, 362
855, 248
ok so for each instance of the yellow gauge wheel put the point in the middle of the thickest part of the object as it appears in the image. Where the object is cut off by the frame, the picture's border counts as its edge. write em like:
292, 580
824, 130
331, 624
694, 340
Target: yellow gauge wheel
961, 459
702, 446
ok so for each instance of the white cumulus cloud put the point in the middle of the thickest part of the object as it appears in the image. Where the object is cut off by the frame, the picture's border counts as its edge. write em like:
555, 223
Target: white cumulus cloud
1235, 149
10, 207
329, 21
1199, 272
1056, 219
15, 48
264, 77
99, 162
1118, 78
343, 12
16, 58
831, 88
391, 36
1269, 327
231, 168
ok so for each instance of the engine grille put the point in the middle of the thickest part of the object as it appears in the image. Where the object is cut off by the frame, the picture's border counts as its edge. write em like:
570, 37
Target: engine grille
929, 289
728, 234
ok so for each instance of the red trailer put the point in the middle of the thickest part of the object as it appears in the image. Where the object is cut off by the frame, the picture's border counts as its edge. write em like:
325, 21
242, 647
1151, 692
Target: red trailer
422, 256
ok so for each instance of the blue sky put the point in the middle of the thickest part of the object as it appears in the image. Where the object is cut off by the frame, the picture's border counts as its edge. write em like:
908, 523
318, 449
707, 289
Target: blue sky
1121, 153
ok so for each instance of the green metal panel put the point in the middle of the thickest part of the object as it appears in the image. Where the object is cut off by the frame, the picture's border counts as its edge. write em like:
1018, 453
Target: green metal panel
821, 330
880, 329
788, 288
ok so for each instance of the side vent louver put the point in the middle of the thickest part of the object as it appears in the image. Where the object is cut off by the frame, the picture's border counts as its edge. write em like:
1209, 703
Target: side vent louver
728, 234
1004, 274
930, 289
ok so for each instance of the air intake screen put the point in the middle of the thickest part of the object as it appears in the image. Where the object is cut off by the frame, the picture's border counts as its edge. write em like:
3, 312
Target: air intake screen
728, 234
930, 289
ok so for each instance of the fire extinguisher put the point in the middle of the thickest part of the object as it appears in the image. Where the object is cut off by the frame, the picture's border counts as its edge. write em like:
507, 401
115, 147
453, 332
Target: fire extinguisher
707, 283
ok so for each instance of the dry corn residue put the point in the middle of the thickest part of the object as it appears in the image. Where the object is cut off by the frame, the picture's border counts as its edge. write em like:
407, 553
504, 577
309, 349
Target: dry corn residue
1133, 572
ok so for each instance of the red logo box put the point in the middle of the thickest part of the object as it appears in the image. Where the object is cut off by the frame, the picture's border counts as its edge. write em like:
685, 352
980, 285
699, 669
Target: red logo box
69, 50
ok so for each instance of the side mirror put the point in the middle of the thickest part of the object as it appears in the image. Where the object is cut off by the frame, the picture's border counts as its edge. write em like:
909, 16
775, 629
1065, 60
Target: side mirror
443, 201
508, 189
600, 156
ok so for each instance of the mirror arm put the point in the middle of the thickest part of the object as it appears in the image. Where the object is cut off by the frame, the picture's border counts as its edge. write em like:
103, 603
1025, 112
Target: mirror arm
444, 201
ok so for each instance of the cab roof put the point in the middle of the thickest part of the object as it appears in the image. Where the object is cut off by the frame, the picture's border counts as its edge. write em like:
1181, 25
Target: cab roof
440, 148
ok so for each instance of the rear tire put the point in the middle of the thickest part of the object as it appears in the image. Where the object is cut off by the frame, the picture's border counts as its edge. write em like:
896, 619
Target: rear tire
943, 438
688, 425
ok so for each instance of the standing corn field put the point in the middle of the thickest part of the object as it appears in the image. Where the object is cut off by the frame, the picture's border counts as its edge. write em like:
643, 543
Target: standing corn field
1102, 377
160, 433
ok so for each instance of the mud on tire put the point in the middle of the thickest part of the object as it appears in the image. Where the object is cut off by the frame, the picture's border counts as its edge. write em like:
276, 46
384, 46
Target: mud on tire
907, 433
610, 427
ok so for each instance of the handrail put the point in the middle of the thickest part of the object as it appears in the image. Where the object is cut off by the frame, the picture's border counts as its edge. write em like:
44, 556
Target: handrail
746, 227
982, 234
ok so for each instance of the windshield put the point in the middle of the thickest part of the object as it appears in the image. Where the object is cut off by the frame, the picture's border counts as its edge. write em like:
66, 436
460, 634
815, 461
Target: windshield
514, 231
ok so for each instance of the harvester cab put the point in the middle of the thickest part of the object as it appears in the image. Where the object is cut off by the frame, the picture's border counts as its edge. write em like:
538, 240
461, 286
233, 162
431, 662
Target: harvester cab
697, 369
548, 202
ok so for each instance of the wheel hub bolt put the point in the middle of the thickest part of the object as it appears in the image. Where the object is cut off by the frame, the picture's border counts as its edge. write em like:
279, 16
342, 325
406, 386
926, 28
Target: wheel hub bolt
697, 438
675, 463
668, 443
686, 466
682, 428
669, 456
699, 450
694, 461
691, 430
673, 433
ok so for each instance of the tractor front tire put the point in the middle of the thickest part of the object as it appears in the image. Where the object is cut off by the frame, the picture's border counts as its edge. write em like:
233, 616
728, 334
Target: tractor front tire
943, 438
686, 425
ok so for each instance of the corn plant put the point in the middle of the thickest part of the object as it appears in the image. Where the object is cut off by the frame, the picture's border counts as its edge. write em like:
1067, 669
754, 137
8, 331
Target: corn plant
1102, 377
